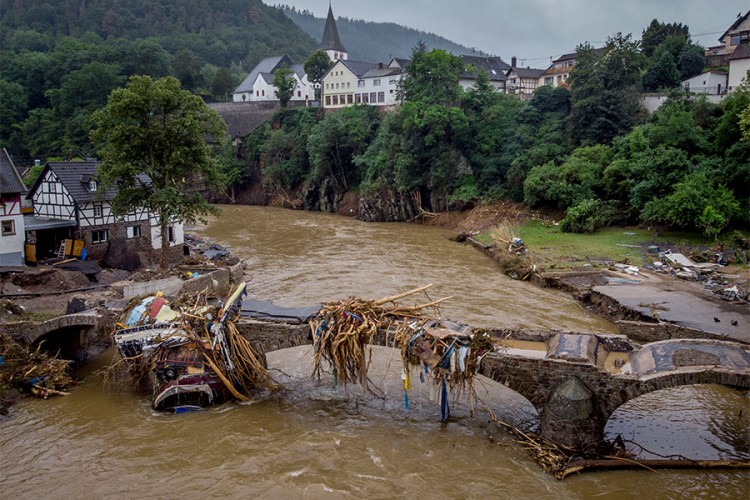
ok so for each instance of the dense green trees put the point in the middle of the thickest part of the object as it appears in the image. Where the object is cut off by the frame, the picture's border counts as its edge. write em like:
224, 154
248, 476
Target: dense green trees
59, 62
603, 90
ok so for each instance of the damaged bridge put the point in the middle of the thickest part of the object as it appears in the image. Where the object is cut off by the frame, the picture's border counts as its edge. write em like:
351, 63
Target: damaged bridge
575, 380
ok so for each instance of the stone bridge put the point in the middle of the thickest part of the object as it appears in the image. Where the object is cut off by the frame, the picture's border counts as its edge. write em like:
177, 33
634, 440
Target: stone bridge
76, 336
575, 381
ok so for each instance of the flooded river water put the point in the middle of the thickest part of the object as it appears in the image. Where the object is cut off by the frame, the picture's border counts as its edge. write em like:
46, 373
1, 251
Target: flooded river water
316, 440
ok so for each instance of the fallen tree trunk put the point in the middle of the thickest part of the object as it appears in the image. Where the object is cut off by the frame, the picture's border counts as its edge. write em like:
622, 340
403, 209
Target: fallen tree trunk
620, 464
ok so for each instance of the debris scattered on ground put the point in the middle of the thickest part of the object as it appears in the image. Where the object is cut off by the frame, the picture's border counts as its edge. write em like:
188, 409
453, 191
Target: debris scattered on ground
32, 370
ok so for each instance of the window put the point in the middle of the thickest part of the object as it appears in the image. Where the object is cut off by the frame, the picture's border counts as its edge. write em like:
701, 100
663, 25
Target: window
559, 78
337, 85
8, 228
376, 82
735, 40
170, 234
326, 86
349, 99
335, 100
328, 100
257, 93
365, 98
348, 84
97, 210
132, 232
381, 96
263, 93
393, 81
99, 236
299, 93
92, 186
360, 83
358, 98
548, 80
373, 97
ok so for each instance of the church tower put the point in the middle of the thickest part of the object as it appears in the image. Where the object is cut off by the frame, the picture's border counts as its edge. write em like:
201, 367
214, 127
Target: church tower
331, 43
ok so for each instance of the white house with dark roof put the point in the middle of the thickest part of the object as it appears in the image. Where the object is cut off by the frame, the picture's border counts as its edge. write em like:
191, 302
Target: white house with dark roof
68, 203
496, 70
522, 82
258, 85
12, 229
343, 81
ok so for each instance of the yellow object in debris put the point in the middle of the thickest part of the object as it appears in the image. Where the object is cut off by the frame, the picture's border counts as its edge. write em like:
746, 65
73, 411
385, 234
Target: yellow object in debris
166, 314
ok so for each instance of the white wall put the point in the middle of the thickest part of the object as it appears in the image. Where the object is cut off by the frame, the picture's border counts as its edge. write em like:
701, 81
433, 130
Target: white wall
737, 72
12, 245
340, 81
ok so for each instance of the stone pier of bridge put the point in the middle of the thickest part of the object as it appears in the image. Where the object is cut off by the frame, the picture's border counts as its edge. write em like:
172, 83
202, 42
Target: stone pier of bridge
574, 380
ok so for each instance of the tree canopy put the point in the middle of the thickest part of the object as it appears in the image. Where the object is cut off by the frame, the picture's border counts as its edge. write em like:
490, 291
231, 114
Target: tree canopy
156, 128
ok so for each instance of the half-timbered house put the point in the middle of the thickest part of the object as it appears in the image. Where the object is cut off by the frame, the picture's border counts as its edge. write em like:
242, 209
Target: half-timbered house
67, 192
11, 216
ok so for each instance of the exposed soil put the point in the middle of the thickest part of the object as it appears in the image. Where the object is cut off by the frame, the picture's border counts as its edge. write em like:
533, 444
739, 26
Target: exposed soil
481, 218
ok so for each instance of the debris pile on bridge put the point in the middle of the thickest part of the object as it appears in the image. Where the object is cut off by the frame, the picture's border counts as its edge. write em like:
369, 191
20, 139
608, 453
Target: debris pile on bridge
343, 330
197, 359
448, 353
32, 370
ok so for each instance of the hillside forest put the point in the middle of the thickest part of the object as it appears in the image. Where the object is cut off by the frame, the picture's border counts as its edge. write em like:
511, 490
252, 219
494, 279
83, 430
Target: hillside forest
589, 150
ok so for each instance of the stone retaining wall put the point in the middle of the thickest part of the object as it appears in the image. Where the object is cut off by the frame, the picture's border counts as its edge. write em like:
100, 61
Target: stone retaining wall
654, 332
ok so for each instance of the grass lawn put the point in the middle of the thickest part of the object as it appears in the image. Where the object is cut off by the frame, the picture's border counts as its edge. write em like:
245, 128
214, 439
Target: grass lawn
553, 249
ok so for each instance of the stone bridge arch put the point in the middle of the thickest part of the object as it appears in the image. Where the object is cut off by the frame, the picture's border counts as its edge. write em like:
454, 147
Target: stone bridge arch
73, 336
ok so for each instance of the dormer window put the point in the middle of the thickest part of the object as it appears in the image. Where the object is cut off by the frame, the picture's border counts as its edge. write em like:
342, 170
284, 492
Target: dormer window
92, 185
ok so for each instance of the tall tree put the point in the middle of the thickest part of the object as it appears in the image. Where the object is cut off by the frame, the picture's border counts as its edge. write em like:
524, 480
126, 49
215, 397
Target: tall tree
156, 128
285, 83
605, 103
432, 77
316, 66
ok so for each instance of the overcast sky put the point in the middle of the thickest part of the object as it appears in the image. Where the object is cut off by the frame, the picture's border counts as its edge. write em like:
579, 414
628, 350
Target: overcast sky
535, 30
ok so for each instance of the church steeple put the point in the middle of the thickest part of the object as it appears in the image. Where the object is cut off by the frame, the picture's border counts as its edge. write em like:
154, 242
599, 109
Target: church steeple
331, 43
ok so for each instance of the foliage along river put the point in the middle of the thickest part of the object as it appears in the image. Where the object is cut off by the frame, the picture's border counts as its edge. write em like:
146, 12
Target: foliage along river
319, 441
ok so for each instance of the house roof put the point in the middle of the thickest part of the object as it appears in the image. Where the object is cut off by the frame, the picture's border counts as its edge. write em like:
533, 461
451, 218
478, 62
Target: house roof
331, 40
381, 72
10, 179
527, 72
244, 117
735, 24
400, 62
496, 67
75, 176
267, 65
359, 68
741, 52
299, 70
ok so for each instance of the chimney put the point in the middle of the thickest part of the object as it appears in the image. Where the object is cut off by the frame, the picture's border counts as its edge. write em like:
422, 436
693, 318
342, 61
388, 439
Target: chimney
513, 62
37, 163
380, 65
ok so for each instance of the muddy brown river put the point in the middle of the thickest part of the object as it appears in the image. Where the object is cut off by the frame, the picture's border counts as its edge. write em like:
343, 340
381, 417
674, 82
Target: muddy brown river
317, 440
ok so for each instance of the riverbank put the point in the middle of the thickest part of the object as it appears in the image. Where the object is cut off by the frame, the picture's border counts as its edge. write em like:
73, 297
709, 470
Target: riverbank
631, 276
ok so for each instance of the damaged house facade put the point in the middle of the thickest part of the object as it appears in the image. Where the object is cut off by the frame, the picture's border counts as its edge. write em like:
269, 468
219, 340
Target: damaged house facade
12, 189
68, 204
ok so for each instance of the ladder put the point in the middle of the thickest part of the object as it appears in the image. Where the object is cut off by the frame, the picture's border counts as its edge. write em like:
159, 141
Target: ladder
61, 251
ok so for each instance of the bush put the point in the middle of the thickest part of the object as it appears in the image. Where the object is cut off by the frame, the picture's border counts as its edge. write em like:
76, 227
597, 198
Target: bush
588, 216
